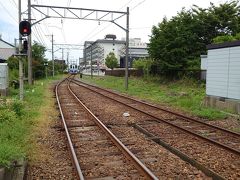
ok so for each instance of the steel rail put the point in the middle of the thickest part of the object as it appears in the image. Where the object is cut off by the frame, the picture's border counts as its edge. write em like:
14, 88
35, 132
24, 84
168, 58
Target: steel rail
70, 144
162, 109
169, 123
138, 164
180, 154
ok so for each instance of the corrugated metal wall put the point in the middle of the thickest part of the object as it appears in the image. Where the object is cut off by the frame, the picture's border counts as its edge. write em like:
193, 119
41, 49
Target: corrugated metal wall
3, 76
223, 72
234, 73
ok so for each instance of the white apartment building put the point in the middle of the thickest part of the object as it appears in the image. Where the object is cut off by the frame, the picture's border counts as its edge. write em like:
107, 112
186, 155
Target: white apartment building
97, 51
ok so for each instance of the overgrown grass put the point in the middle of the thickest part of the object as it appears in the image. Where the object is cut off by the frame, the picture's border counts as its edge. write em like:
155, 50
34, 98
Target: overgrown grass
17, 120
184, 94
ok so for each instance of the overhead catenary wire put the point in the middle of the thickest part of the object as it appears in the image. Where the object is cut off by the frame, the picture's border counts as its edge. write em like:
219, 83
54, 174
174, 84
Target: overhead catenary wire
38, 36
14, 18
108, 25
41, 29
38, 29
131, 9
137, 5
15, 4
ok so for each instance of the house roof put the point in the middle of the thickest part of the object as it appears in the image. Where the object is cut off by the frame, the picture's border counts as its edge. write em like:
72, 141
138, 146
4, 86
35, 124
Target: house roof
223, 45
2, 60
5, 44
6, 49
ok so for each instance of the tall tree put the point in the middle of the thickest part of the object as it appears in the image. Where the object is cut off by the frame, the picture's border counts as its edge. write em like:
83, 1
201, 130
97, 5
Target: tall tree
178, 43
38, 54
111, 61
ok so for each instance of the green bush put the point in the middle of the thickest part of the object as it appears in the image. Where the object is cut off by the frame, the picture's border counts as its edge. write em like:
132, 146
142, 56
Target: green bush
9, 153
143, 64
7, 116
222, 39
17, 107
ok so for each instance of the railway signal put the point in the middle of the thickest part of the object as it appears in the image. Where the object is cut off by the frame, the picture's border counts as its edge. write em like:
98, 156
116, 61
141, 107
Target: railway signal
25, 28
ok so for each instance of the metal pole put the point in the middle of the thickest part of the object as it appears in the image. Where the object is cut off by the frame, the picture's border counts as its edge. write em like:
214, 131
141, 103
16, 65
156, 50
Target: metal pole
91, 63
67, 61
79, 68
62, 61
30, 79
52, 57
46, 71
127, 46
85, 58
20, 60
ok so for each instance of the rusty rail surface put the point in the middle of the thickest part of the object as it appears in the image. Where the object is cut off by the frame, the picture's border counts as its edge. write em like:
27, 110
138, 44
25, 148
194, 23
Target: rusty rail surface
235, 151
162, 109
70, 144
137, 163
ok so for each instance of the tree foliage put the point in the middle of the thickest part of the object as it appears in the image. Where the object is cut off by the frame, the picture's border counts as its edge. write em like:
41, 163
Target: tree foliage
177, 44
226, 38
144, 65
38, 60
38, 56
111, 61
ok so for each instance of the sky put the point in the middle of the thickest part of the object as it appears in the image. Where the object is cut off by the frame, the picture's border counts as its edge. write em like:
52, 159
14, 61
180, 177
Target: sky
143, 15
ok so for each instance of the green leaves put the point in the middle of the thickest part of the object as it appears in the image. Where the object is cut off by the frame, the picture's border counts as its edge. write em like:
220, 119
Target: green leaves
178, 43
111, 61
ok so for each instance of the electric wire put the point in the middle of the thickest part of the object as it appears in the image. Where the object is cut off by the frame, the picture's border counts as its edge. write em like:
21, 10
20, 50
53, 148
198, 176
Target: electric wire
41, 34
14, 18
15, 4
87, 37
35, 35
38, 35
137, 5
38, 29
44, 24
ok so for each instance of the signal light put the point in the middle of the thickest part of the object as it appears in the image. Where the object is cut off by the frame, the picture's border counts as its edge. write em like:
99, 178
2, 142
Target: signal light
25, 28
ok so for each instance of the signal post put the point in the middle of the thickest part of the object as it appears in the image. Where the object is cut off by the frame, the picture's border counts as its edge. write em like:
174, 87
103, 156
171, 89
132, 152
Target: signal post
24, 30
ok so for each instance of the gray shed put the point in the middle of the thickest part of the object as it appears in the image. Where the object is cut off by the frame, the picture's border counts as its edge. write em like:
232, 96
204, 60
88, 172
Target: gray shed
223, 72
3, 79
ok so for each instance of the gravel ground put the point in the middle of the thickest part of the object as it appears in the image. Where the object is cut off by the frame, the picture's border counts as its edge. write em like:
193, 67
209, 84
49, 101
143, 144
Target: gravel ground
163, 163
50, 158
111, 113
232, 123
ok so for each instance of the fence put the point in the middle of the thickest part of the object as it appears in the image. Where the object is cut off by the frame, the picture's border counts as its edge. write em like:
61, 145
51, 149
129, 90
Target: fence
121, 72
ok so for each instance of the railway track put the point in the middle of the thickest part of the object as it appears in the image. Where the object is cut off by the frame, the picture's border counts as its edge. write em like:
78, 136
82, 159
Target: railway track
224, 138
160, 126
96, 152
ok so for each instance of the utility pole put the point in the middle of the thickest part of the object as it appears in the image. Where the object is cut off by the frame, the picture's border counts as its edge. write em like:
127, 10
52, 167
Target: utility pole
85, 58
20, 60
79, 65
30, 74
127, 50
67, 61
91, 63
62, 61
52, 57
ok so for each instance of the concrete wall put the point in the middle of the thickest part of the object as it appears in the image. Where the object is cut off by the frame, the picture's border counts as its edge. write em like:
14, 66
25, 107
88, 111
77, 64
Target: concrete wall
223, 104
